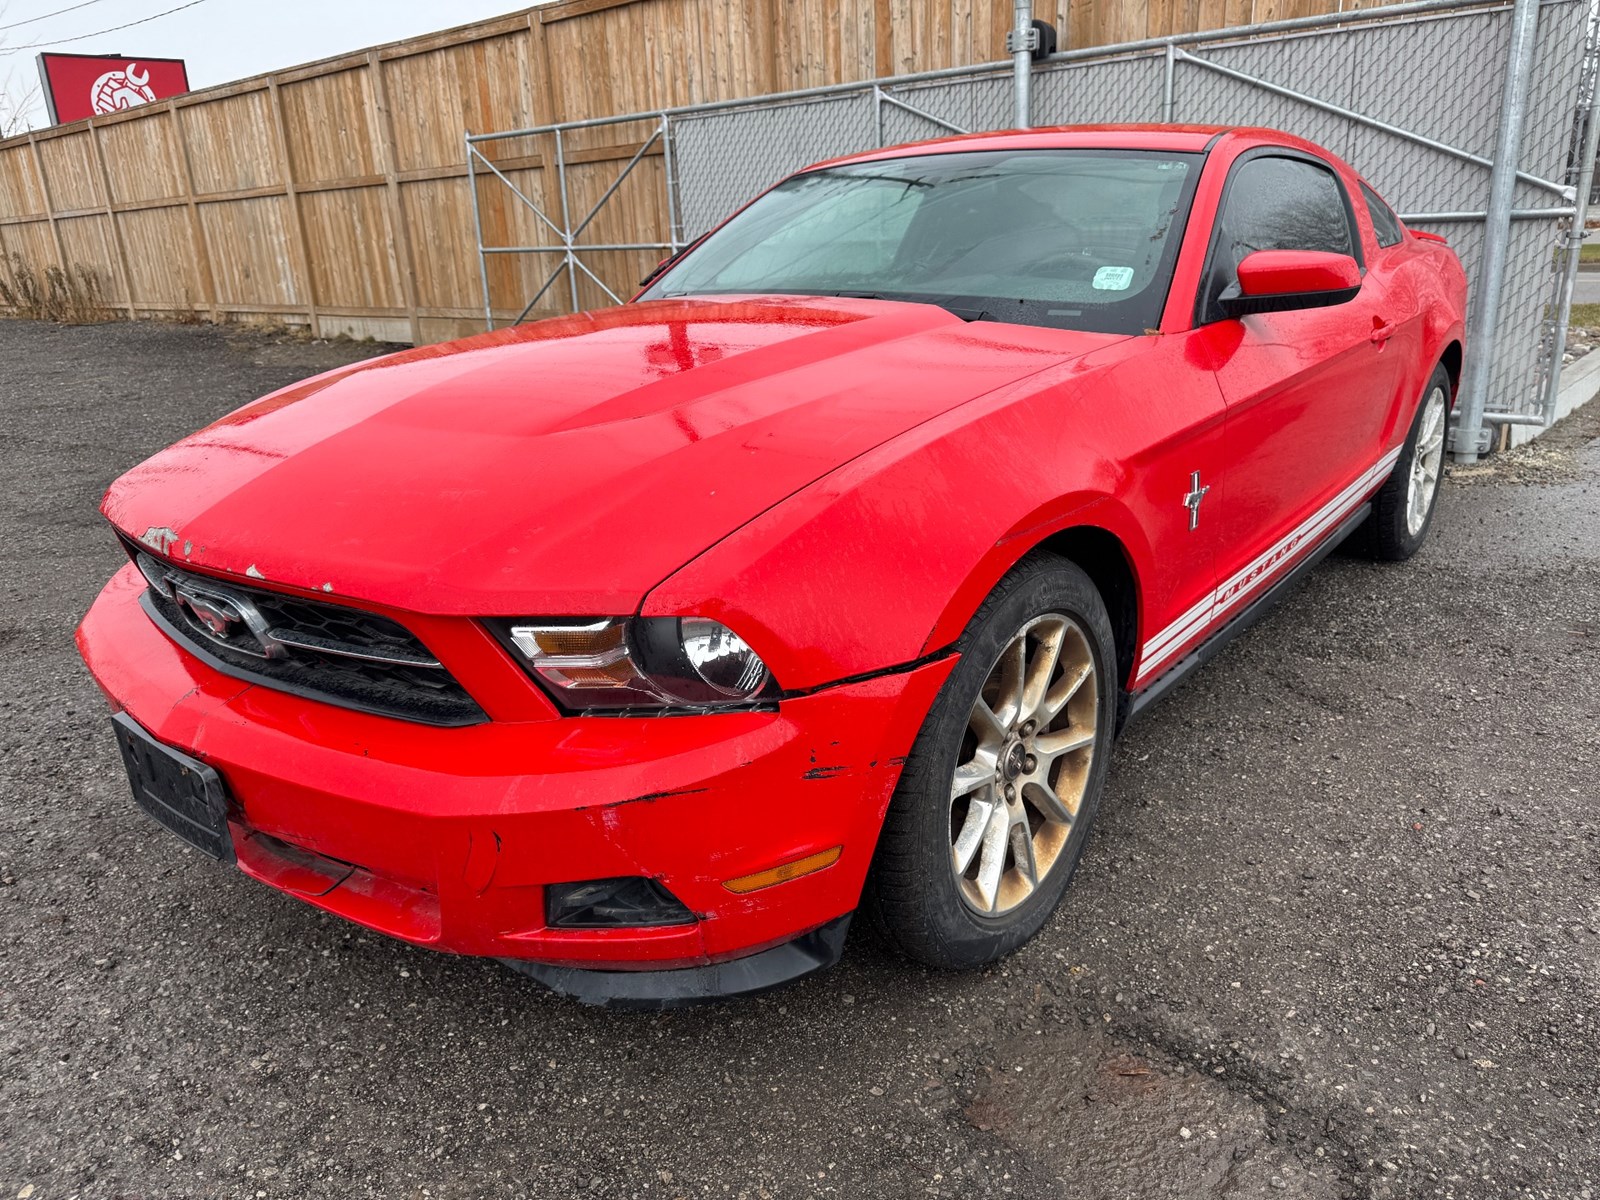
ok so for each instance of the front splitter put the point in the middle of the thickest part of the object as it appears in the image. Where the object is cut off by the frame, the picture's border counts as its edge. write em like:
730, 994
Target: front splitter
648, 990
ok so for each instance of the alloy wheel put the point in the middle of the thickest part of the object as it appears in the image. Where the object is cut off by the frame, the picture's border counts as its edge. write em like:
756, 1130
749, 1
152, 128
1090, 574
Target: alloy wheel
1426, 461
1024, 764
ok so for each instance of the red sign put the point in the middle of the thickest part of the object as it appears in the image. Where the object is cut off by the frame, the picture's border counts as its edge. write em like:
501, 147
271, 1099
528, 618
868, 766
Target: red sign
84, 85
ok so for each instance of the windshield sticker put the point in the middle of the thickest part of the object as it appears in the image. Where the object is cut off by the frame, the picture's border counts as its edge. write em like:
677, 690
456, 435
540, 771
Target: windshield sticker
1113, 279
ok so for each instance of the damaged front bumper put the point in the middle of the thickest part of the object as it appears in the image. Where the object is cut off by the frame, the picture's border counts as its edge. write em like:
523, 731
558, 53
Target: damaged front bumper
448, 837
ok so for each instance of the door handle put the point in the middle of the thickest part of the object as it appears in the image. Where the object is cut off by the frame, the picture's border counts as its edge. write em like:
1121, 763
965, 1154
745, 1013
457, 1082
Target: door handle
1382, 330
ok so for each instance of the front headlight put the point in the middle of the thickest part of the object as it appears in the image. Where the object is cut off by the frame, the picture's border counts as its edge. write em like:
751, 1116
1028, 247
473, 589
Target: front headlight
642, 662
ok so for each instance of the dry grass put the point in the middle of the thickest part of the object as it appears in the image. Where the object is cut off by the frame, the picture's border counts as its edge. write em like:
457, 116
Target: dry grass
1585, 316
73, 296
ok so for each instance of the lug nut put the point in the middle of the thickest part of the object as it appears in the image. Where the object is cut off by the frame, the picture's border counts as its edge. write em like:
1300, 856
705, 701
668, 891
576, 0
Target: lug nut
1011, 791
1030, 764
1028, 728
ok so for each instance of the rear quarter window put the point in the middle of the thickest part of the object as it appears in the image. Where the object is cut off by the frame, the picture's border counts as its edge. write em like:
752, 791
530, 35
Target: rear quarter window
1384, 223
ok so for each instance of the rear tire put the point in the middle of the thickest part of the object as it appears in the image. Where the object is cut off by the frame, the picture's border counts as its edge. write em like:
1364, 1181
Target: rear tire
1402, 511
1002, 784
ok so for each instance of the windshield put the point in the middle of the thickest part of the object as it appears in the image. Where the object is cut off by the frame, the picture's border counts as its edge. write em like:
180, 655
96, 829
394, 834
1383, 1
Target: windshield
1075, 239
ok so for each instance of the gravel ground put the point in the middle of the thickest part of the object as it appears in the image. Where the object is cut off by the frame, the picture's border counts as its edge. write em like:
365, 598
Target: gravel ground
1580, 340
1336, 933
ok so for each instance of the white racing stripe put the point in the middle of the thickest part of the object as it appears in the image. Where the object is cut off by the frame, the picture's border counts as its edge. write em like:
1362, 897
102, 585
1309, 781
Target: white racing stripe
1242, 583
1200, 612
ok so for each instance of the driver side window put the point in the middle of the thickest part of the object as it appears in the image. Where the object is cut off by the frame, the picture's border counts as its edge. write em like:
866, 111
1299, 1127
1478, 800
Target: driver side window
1274, 203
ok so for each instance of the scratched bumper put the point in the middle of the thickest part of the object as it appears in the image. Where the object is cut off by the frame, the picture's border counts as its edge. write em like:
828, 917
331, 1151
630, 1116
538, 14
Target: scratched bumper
446, 838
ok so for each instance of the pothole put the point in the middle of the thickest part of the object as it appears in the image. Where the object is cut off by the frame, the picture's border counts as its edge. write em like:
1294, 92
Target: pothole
1111, 1124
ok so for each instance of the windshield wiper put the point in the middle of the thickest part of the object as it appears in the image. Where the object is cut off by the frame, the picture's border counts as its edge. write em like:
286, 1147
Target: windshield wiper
965, 312
661, 268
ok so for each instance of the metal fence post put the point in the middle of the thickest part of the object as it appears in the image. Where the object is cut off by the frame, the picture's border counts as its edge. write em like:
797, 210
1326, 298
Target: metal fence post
1485, 321
1569, 271
566, 220
674, 226
1021, 43
477, 229
1168, 72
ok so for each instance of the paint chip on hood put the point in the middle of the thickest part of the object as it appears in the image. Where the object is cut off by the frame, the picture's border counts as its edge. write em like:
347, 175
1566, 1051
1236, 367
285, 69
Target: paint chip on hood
159, 538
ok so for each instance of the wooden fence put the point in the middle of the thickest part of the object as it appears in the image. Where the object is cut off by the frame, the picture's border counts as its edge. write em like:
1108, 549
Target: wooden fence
334, 195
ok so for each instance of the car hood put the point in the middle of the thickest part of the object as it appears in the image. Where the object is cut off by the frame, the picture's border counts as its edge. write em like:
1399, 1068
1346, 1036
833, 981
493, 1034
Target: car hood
564, 467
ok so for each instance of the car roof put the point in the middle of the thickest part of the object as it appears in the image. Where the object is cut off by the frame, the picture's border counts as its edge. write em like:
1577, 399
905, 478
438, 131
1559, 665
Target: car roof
1180, 138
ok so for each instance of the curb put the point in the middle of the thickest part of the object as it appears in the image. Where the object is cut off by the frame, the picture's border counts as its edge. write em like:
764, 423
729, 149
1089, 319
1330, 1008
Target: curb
1580, 383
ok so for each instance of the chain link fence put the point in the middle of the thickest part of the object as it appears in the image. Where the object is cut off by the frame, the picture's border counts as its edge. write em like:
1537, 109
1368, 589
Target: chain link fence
1410, 95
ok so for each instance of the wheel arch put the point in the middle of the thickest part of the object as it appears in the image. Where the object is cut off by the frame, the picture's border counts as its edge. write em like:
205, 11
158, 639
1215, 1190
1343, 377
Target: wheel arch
1101, 556
1450, 358
1102, 541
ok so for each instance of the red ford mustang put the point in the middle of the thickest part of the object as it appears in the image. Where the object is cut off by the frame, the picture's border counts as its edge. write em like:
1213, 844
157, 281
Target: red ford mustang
640, 649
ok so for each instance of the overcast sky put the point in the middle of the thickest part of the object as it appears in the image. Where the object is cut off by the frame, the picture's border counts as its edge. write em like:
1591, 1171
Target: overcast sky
222, 40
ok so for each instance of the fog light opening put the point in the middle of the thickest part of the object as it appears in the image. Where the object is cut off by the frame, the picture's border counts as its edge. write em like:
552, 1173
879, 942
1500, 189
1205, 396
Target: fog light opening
794, 869
629, 902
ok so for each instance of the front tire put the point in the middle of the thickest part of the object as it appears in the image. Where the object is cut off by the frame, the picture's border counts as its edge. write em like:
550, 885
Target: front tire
1002, 784
1402, 511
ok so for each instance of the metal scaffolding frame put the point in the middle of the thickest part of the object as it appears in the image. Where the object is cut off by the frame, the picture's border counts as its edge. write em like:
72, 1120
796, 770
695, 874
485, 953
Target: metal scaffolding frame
570, 248
568, 233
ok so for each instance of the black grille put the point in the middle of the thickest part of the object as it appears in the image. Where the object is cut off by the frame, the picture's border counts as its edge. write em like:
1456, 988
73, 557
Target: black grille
309, 647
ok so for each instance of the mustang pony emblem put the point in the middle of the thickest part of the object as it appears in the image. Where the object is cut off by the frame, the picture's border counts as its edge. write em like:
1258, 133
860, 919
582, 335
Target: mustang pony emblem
1197, 493
222, 617
212, 614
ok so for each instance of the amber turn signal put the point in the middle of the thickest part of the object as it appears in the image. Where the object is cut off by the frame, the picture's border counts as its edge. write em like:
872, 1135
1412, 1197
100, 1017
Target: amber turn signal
794, 869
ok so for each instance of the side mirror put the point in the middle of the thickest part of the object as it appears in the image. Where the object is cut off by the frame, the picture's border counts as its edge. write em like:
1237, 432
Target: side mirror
1281, 280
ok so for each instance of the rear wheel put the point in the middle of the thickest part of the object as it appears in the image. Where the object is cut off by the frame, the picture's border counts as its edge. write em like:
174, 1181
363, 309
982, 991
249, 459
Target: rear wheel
1000, 788
1402, 511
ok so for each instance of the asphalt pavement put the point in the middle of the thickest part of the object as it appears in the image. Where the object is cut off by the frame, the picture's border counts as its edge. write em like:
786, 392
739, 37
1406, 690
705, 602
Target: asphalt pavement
1586, 288
1336, 934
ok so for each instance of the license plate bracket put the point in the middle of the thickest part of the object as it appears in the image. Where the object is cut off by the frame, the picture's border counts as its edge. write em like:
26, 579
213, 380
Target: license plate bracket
180, 792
